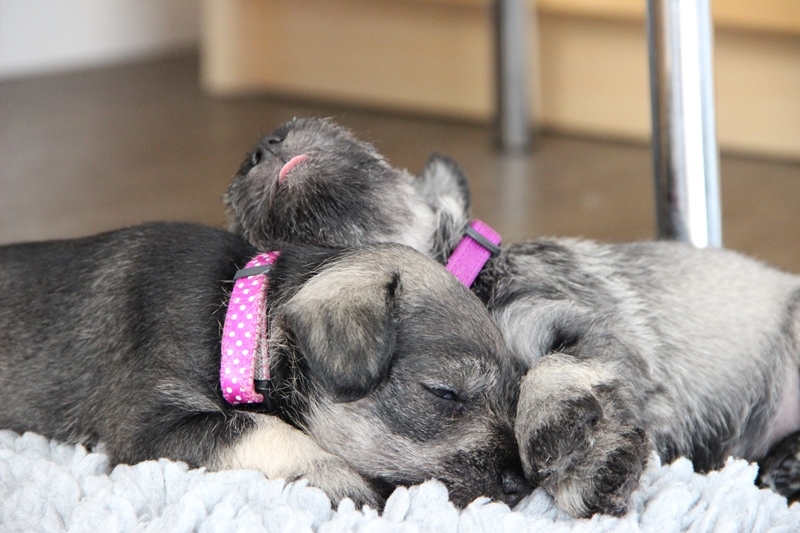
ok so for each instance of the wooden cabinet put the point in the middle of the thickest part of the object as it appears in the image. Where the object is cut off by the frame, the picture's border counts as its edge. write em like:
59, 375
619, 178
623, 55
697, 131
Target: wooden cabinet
588, 61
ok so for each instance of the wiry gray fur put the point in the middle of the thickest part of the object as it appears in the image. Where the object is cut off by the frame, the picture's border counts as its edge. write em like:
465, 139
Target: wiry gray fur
630, 347
386, 370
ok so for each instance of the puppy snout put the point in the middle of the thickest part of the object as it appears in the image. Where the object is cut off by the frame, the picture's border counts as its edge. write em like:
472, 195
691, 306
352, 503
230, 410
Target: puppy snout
515, 486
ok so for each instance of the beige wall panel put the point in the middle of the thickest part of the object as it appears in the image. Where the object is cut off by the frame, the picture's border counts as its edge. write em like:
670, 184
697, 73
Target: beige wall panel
595, 80
404, 55
774, 16
436, 56
758, 92
594, 76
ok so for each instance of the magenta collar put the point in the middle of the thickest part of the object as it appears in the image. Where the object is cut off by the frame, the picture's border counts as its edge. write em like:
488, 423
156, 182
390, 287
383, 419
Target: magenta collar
244, 367
479, 243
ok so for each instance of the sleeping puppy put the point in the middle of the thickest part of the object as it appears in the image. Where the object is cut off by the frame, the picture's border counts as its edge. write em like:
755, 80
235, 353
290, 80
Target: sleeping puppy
360, 370
630, 347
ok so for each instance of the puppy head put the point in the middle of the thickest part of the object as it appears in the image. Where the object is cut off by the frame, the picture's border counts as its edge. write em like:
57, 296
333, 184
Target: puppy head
312, 182
404, 374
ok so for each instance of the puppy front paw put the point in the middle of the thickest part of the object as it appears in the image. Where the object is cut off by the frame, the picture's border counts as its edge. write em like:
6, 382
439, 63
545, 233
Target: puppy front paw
600, 479
780, 469
339, 481
588, 462
283, 451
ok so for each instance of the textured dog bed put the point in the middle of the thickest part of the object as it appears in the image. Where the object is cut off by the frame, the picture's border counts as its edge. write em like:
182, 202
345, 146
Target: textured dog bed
49, 486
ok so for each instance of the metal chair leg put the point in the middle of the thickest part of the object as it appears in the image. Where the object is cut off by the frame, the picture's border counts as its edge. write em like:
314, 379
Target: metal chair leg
511, 64
685, 155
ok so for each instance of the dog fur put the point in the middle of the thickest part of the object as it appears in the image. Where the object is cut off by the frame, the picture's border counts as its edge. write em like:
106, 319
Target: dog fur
630, 347
387, 372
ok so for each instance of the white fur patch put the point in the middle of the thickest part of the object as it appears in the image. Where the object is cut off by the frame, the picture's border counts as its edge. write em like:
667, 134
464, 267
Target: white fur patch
419, 233
275, 448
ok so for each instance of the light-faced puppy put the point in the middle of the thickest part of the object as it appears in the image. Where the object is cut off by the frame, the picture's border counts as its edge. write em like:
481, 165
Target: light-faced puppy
366, 369
630, 347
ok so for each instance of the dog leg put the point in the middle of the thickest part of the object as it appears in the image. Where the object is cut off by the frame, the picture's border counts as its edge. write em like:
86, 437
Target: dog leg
780, 469
282, 451
576, 435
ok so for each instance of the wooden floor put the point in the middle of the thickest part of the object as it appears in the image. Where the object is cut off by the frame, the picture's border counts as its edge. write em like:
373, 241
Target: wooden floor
86, 152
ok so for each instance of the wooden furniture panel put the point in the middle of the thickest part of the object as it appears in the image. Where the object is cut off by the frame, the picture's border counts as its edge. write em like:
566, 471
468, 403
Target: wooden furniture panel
435, 56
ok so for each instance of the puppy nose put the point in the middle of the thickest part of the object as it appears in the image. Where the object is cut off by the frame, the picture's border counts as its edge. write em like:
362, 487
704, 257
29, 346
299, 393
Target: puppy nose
515, 486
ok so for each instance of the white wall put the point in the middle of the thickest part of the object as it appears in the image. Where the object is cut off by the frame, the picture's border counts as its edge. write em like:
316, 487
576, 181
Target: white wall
38, 36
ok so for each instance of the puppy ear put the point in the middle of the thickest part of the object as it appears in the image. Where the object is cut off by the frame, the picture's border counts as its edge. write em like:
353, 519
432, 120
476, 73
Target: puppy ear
445, 188
443, 181
343, 324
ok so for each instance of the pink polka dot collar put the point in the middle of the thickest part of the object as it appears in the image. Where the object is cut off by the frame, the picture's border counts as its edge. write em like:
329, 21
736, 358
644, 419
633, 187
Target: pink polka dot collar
244, 368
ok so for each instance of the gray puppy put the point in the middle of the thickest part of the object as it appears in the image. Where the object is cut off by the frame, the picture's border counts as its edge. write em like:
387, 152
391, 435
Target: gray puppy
631, 347
367, 369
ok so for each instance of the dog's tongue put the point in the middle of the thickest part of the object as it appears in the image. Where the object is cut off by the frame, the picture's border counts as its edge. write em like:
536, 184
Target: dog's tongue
293, 162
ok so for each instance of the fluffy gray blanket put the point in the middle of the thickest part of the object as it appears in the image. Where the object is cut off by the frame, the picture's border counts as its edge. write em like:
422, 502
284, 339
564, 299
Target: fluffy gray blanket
49, 486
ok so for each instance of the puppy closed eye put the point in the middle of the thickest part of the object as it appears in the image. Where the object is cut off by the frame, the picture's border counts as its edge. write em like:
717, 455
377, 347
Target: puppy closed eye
443, 392
447, 401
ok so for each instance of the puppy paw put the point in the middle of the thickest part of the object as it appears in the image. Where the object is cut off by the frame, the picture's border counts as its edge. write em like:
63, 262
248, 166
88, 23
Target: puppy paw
282, 451
780, 469
602, 477
339, 481
588, 462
